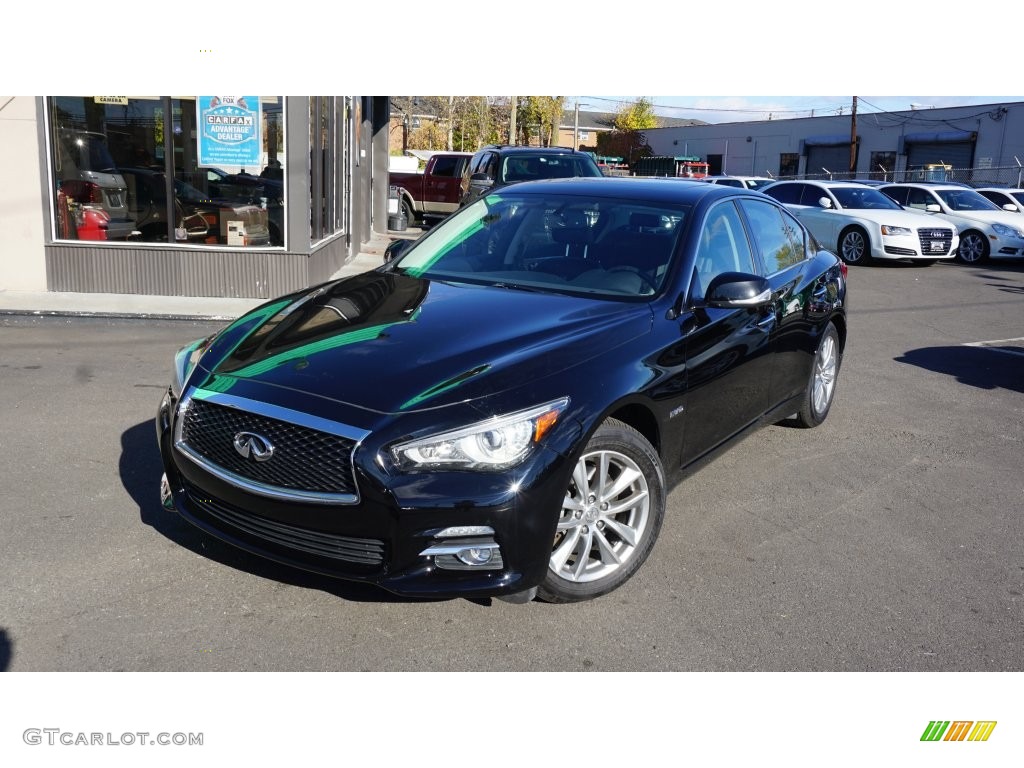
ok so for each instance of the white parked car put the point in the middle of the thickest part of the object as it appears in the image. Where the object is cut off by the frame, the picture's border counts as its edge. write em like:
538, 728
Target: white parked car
985, 229
862, 224
750, 182
1008, 198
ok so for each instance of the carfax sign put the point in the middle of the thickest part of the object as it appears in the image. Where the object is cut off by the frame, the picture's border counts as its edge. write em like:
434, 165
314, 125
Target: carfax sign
230, 130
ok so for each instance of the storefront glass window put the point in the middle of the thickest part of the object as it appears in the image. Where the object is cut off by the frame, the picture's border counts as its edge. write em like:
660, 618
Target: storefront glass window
195, 170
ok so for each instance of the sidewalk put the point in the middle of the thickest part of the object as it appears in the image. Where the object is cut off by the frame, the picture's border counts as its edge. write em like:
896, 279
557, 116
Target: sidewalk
168, 307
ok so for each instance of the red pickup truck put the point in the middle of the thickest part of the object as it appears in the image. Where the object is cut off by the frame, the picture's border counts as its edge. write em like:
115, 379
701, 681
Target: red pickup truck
434, 192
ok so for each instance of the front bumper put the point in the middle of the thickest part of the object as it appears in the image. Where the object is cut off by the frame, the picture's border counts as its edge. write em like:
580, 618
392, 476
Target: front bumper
918, 245
402, 534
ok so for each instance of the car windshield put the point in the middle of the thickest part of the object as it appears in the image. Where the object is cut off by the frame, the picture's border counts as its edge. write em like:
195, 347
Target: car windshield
758, 183
965, 200
614, 248
863, 198
1018, 196
528, 167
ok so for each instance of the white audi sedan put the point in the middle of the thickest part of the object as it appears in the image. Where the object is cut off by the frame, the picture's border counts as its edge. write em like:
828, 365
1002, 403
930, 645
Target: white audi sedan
861, 224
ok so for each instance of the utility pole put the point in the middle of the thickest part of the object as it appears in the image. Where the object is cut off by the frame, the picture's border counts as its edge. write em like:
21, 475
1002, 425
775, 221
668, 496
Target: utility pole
853, 137
576, 127
512, 121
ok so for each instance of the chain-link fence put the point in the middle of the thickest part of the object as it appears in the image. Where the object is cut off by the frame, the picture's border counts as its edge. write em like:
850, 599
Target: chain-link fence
1004, 176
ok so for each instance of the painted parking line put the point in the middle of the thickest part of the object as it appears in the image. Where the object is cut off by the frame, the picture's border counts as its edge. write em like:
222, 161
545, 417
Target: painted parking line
1006, 346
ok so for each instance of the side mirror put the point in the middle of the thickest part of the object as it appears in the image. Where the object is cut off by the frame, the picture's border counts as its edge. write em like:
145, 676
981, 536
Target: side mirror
1010, 207
824, 202
396, 249
731, 290
933, 208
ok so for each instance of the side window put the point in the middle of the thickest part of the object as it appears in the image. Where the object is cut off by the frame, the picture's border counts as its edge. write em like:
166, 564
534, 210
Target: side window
731, 182
445, 166
919, 198
811, 195
723, 248
899, 194
777, 234
785, 193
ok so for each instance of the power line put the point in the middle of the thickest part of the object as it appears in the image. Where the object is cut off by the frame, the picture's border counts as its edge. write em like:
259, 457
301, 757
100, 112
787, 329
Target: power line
624, 102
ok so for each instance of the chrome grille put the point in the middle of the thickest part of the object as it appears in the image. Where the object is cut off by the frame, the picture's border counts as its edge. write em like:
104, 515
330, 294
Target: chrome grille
329, 545
930, 236
304, 459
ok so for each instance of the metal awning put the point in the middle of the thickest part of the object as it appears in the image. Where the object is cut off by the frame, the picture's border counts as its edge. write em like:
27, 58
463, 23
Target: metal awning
939, 137
832, 140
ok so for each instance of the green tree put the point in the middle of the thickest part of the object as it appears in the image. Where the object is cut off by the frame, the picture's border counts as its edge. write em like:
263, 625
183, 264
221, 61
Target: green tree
628, 140
540, 116
638, 116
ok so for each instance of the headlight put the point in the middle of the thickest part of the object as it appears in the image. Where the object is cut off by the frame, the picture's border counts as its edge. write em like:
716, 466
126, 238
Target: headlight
1004, 231
887, 230
495, 444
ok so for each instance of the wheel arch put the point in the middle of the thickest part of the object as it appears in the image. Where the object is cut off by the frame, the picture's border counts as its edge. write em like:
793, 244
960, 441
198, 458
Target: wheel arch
640, 418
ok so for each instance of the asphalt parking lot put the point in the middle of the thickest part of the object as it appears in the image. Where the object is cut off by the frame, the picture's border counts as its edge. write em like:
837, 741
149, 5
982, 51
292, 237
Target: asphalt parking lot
890, 538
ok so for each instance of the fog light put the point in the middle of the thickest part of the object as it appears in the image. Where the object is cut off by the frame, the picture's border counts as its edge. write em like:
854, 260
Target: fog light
466, 555
474, 556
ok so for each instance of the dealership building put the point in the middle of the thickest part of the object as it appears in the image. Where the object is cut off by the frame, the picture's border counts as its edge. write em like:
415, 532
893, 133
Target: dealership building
974, 144
227, 196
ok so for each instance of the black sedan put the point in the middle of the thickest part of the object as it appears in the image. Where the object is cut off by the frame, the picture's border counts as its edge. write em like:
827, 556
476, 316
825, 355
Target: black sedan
503, 407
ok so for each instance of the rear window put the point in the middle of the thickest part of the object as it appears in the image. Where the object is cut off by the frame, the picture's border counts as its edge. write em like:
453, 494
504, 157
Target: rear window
523, 167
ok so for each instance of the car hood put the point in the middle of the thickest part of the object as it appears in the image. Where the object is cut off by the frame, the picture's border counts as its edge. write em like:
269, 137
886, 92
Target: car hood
993, 217
391, 343
894, 218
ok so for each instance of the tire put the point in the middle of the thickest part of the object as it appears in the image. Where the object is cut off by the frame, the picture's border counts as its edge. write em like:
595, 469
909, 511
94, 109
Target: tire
973, 248
408, 212
613, 509
821, 388
854, 246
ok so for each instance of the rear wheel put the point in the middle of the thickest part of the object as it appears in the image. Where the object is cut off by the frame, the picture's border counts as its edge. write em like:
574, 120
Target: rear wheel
853, 246
973, 248
610, 517
821, 388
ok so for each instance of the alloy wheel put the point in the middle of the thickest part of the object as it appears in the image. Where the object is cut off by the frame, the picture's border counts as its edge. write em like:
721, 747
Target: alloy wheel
853, 246
604, 515
825, 367
972, 248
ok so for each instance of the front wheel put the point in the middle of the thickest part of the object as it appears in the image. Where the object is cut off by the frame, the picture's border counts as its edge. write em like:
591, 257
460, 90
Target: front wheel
854, 247
973, 248
821, 388
408, 212
610, 517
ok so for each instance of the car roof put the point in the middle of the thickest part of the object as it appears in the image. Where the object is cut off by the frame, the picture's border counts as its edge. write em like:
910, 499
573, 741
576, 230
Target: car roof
647, 188
931, 184
822, 182
519, 149
1000, 189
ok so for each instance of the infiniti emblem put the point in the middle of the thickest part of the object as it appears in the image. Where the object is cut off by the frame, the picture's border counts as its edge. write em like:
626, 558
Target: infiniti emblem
250, 444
